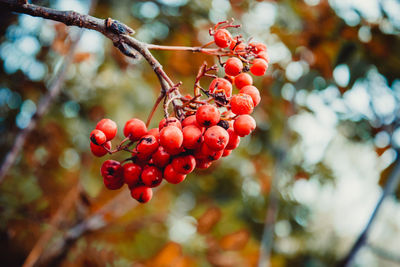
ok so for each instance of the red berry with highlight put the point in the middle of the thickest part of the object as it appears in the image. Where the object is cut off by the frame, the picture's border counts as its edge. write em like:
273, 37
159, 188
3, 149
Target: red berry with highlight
143, 194
108, 127
100, 151
151, 176
171, 121
173, 176
161, 157
207, 115
192, 137
242, 104
244, 125
253, 92
222, 38
135, 129
233, 66
147, 145
216, 138
234, 139
154, 132
243, 79
97, 137
259, 67
184, 164
171, 138
220, 84
113, 174
132, 173
190, 120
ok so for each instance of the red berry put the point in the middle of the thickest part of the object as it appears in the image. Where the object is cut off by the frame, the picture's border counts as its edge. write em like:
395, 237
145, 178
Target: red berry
143, 194
258, 47
190, 120
100, 151
135, 129
132, 173
240, 48
184, 164
234, 139
221, 84
253, 92
216, 138
154, 132
151, 176
264, 55
233, 44
222, 38
192, 137
244, 125
173, 176
203, 163
147, 145
108, 127
171, 121
259, 67
98, 137
113, 184
113, 174
227, 152
207, 115
161, 157
233, 66
243, 79
207, 153
242, 104
171, 138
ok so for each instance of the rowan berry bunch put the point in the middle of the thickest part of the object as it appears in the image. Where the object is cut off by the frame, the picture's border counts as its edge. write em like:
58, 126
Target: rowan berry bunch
204, 128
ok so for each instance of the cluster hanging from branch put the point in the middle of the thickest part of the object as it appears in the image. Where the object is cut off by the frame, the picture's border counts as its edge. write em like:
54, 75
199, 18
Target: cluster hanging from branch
204, 126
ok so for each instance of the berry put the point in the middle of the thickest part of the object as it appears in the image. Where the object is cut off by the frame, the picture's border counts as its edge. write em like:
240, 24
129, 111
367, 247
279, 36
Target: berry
203, 163
190, 120
184, 164
206, 153
207, 115
234, 139
264, 55
233, 66
244, 125
98, 137
135, 129
147, 145
216, 138
192, 137
173, 176
222, 38
258, 47
253, 92
171, 121
100, 151
108, 127
151, 176
242, 80
154, 132
161, 157
240, 48
221, 84
113, 174
224, 124
113, 184
259, 67
226, 153
242, 104
171, 138
132, 173
143, 194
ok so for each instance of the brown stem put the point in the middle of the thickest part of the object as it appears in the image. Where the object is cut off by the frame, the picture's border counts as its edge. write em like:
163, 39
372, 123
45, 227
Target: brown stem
198, 49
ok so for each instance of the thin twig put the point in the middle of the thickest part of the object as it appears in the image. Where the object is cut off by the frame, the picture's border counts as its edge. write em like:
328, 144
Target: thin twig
390, 186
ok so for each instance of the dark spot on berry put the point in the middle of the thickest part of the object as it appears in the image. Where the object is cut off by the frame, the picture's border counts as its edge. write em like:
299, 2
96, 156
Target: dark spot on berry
93, 139
141, 198
186, 167
207, 123
223, 124
155, 182
210, 157
110, 170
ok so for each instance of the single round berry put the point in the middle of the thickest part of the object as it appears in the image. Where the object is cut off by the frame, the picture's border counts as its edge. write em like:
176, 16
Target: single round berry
184, 164
97, 137
253, 92
147, 145
222, 38
203, 163
234, 139
243, 79
259, 67
244, 125
207, 153
100, 151
143, 194
226, 153
207, 115
171, 121
161, 157
220, 84
151, 176
242, 104
173, 176
113, 184
154, 132
108, 127
192, 137
171, 138
190, 120
112, 170
233, 66
132, 173
258, 47
264, 55
216, 138
240, 48
135, 129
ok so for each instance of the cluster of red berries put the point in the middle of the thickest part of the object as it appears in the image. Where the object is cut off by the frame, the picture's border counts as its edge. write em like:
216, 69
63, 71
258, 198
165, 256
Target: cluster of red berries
201, 133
